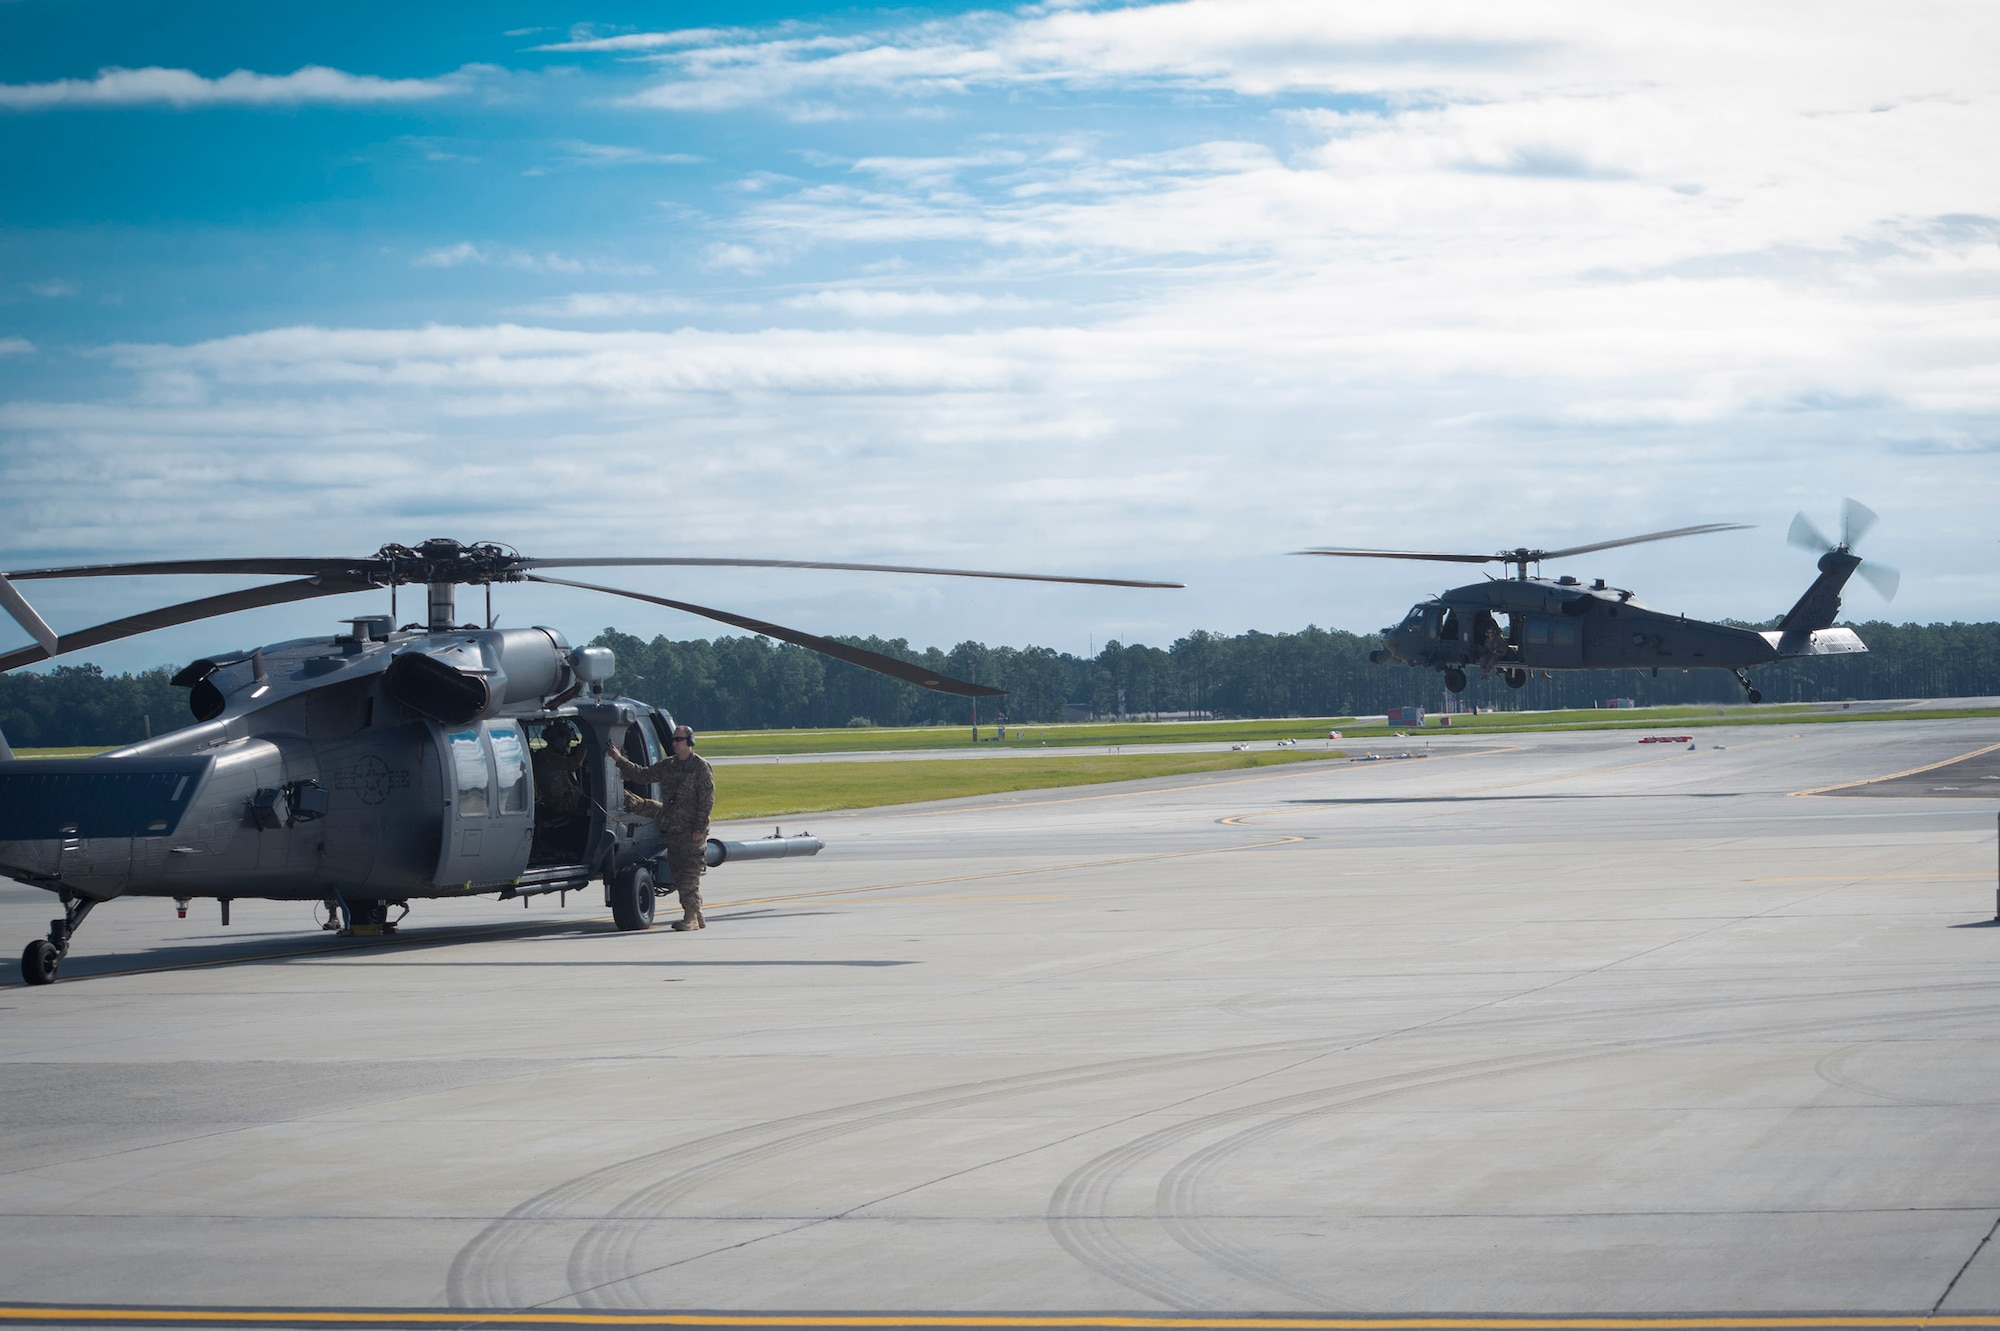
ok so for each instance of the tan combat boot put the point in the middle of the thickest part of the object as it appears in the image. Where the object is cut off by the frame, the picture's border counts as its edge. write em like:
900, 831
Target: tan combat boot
690, 913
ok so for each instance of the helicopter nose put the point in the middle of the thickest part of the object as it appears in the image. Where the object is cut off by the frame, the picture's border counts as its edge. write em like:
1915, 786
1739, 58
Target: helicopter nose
1380, 656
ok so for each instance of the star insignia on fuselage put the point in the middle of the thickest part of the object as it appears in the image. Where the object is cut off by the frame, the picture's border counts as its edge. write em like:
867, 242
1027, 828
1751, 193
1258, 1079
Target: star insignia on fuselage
372, 780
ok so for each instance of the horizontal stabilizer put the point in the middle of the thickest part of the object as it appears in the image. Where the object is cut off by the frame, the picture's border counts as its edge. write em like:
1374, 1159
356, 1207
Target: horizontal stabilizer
1818, 642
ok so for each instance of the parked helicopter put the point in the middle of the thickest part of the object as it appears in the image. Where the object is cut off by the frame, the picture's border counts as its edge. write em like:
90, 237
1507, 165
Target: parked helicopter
1560, 624
376, 766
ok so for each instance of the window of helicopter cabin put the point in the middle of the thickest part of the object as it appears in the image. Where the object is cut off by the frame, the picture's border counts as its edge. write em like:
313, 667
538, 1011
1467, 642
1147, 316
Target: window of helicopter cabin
475, 780
1537, 633
1451, 626
510, 762
643, 749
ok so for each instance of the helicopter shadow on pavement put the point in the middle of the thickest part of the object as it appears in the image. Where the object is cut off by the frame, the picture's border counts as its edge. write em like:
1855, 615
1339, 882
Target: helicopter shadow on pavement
279, 948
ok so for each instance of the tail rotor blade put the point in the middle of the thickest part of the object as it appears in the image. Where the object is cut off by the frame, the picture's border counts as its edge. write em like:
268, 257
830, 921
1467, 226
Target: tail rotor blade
1806, 536
1855, 520
1881, 577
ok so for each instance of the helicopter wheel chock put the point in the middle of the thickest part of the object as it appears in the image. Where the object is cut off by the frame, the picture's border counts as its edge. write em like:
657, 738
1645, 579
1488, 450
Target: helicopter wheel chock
1454, 680
1515, 677
632, 897
41, 959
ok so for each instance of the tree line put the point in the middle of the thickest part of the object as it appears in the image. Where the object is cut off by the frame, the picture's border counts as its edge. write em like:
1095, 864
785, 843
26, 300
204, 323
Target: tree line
748, 683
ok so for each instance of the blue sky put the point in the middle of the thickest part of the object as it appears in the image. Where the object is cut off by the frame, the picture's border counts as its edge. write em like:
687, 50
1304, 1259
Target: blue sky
1154, 290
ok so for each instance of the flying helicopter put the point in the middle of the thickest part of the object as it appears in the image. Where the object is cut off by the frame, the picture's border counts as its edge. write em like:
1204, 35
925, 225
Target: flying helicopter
377, 766
1519, 625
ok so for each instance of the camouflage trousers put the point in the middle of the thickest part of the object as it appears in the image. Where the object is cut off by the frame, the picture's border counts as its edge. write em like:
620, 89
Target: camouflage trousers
685, 861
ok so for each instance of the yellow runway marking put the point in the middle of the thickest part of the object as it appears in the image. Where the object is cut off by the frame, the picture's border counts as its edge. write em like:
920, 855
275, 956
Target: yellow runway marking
1914, 771
1870, 878
472, 1318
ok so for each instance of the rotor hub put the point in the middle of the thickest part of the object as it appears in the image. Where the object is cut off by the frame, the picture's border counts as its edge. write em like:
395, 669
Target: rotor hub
442, 561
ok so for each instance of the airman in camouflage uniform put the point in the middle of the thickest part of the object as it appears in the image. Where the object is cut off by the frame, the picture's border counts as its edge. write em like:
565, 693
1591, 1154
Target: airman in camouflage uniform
687, 795
556, 764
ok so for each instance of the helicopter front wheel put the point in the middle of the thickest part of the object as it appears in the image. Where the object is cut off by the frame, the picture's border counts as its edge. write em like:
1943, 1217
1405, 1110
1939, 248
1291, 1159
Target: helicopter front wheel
40, 961
1755, 695
1515, 677
632, 898
1454, 679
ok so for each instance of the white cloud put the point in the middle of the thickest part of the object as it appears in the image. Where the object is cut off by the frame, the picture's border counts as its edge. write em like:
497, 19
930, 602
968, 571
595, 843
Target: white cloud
865, 304
582, 40
53, 288
16, 346
605, 154
181, 87
612, 305
465, 252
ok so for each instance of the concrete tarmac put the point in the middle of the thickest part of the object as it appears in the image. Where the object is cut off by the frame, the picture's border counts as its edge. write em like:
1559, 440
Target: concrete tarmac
1540, 1026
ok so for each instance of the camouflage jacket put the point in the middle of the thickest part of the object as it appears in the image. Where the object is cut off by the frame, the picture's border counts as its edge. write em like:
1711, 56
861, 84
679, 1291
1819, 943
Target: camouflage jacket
555, 779
687, 790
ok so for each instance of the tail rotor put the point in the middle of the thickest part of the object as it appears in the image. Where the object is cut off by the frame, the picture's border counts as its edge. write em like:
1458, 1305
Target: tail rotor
1855, 520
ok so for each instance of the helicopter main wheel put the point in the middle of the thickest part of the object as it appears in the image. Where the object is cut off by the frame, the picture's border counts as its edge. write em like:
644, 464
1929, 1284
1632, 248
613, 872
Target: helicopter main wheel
632, 897
39, 962
1755, 695
1454, 679
1515, 677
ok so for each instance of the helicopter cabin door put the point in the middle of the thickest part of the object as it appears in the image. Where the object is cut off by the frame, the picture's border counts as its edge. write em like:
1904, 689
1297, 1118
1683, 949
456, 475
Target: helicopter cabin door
489, 805
1552, 642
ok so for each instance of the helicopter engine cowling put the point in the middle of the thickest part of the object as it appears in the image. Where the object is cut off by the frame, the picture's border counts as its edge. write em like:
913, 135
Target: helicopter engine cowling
461, 678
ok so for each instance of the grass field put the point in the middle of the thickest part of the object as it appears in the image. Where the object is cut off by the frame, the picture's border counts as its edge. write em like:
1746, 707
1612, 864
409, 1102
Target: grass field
731, 743
857, 740
752, 791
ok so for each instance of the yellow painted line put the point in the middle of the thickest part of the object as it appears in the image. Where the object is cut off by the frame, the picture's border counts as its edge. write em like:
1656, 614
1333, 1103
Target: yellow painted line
475, 1317
1870, 878
1914, 771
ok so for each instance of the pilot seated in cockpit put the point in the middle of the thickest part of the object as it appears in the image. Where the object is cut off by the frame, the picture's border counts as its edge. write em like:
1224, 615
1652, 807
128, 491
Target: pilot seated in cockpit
557, 764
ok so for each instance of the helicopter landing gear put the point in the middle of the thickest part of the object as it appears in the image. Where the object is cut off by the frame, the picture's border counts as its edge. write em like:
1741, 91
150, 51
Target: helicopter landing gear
632, 897
41, 959
1454, 679
1750, 691
1515, 676
368, 919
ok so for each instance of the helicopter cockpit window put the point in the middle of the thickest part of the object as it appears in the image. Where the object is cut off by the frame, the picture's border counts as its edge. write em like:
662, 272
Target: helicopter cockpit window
1427, 620
1451, 625
475, 782
643, 749
510, 762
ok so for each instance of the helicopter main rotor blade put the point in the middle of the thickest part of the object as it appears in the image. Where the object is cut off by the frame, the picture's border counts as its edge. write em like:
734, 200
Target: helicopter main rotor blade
246, 567
187, 612
1806, 536
698, 562
839, 651
1404, 554
24, 614
1702, 530
1855, 520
